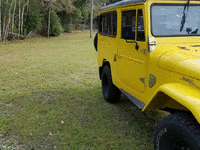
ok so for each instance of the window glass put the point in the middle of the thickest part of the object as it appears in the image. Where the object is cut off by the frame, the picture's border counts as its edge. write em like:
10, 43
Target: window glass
111, 24
101, 23
175, 20
140, 26
129, 19
114, 29
108, 24
105, 25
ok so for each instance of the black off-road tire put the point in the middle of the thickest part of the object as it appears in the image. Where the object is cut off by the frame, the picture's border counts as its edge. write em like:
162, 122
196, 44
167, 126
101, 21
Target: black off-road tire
96, 41
110, 92
178, 131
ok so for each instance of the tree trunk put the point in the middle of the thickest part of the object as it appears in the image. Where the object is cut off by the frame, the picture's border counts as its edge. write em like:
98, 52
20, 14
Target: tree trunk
13, 18
22, 18
49, 20
19, 19
3, 29
8, 23
91, 19
0, 22
70, 15
4, 23
26, 18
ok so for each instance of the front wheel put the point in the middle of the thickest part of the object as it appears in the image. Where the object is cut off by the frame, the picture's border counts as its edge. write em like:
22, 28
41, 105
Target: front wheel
178, 131
110, 92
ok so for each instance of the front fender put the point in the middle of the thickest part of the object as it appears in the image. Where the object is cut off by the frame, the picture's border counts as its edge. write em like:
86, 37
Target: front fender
178, 96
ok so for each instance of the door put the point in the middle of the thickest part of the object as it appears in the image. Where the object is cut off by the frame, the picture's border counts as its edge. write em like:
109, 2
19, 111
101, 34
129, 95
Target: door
131, 57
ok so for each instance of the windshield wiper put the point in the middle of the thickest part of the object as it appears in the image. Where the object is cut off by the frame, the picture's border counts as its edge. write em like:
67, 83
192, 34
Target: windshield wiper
184, 15
195, 31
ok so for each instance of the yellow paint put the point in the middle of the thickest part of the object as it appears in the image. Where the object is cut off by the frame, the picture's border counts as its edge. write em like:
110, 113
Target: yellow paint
175, 63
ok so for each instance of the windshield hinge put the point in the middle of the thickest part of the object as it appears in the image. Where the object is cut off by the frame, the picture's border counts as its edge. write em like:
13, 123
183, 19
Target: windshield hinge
152, 43
184, 47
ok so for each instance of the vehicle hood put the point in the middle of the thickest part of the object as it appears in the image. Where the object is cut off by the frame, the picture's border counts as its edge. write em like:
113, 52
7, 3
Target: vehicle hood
186, 62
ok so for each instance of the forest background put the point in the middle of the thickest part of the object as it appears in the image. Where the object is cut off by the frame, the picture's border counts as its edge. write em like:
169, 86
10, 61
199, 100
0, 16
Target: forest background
22, 18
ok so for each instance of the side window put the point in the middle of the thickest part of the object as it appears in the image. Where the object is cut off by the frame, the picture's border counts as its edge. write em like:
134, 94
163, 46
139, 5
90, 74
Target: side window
129, 19
105, 24
114, 24
102, 20
140, 26
108, 24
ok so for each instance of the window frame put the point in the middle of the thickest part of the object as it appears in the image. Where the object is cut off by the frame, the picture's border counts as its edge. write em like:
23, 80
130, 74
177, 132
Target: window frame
136, 22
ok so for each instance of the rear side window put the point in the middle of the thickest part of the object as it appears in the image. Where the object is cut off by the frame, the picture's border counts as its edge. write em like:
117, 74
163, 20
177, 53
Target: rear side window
108, 24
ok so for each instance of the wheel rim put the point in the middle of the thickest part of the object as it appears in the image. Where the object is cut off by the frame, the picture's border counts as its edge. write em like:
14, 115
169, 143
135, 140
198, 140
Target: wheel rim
180, 145
176, 143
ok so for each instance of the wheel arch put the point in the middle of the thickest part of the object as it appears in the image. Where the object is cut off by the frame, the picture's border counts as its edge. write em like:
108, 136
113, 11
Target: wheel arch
105, 62
176, 97
96, 41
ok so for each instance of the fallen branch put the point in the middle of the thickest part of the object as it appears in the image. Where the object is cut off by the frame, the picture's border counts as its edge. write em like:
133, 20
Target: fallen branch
18, 35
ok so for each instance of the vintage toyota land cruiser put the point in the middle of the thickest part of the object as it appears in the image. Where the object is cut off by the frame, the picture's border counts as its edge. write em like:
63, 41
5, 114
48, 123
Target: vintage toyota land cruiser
149, 50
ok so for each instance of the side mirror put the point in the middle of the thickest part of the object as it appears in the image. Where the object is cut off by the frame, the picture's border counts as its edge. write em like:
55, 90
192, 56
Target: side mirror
127, 32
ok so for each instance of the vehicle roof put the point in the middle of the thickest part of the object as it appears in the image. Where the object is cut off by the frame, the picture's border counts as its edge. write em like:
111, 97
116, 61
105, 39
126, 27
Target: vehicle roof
126, 2
121, 3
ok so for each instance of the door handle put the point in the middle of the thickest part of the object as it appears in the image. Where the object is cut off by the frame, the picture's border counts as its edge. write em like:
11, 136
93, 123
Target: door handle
118, 56
115, 57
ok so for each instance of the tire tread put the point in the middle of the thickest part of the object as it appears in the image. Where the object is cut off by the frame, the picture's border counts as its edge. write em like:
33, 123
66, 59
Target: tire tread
113, 92
184, 121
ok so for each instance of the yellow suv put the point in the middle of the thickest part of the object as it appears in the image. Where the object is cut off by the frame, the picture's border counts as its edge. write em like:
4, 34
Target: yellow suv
149, 50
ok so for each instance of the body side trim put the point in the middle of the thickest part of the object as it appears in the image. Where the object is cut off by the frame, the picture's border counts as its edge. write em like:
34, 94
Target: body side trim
139, 104
187, 96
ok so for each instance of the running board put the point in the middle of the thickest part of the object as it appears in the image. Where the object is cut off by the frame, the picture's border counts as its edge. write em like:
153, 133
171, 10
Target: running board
139, 104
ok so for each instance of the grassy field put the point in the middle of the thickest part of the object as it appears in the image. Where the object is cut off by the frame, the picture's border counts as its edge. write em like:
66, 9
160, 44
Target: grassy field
51, 98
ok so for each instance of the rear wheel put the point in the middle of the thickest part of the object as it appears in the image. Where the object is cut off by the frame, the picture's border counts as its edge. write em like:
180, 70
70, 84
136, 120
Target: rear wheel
110, 92
179, 131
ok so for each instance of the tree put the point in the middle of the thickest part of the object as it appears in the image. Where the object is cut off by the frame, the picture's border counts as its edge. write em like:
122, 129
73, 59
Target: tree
13, 17
0, 22
49, 23
19, 17
55, 24
35, 17
22, 16
19, 21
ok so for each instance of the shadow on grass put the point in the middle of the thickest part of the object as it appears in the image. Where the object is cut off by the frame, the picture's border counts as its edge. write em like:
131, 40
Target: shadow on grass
78, 119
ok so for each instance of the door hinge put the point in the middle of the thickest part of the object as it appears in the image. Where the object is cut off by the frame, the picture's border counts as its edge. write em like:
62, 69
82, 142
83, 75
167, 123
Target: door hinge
115, 57
142, 79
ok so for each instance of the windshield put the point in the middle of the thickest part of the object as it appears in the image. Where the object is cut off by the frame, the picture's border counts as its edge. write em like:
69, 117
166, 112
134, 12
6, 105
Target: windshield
166, 20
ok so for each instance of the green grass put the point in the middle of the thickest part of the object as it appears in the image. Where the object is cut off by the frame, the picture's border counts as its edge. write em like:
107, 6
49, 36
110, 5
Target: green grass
51, 98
